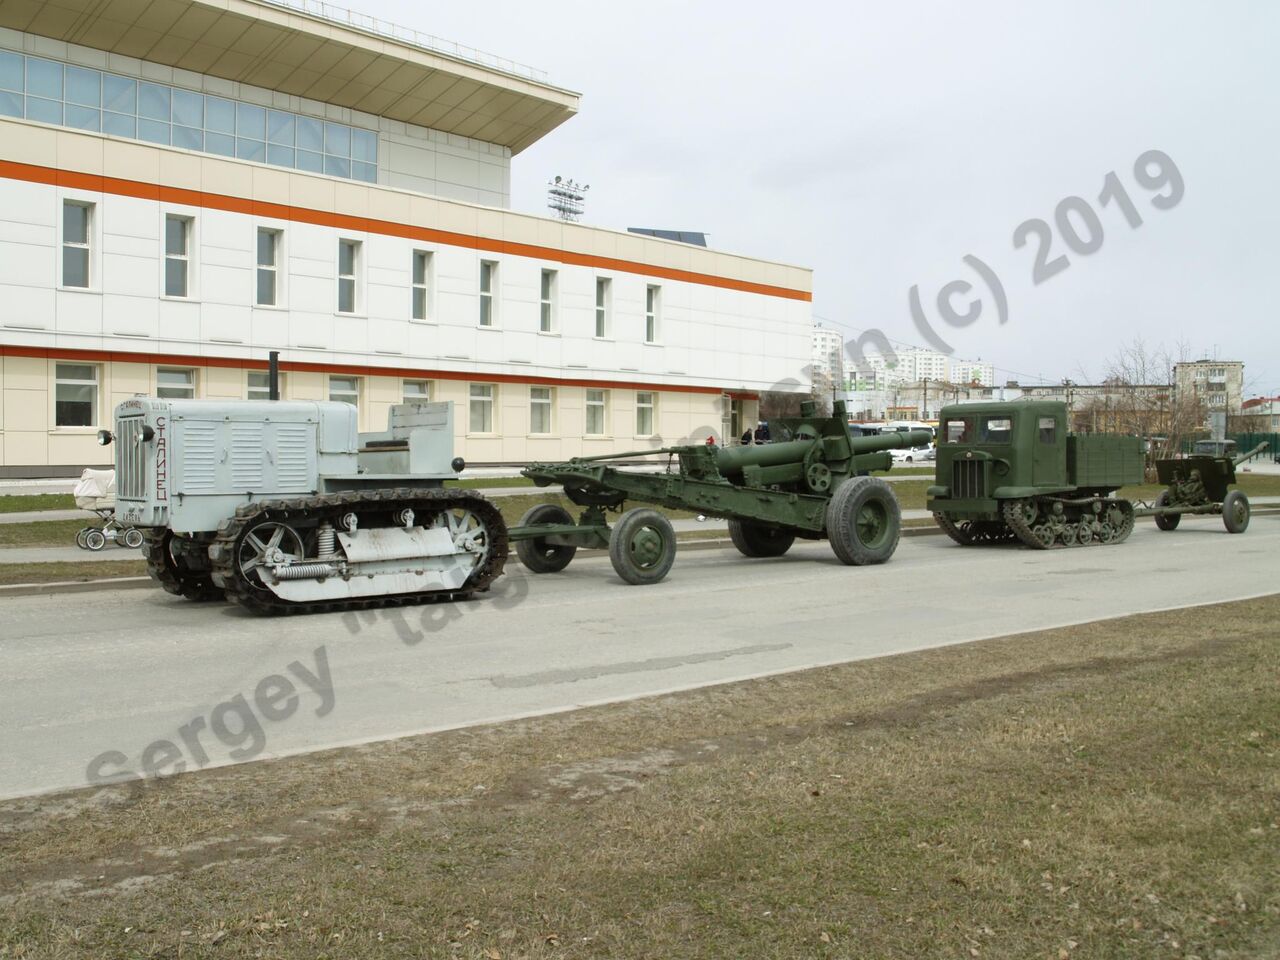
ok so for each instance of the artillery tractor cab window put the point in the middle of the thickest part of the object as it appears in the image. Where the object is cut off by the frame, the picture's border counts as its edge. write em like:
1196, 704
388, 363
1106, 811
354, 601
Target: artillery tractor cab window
996, 430
1048, 429
959, 430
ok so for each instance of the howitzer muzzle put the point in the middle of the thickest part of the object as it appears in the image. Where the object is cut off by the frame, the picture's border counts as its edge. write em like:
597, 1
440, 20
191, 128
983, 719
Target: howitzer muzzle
895, 440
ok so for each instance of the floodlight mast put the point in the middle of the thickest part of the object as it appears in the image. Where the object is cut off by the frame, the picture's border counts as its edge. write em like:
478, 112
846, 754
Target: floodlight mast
566, 198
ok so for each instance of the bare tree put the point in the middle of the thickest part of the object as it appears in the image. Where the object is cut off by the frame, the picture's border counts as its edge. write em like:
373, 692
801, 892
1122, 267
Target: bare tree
774, 403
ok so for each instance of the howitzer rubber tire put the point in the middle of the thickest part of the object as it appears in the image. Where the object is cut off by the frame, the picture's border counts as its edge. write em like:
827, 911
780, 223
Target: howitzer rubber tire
864, 521
1166, 521
537, 555
758, 540
952, 530
642, 546
1235, 512
172, 573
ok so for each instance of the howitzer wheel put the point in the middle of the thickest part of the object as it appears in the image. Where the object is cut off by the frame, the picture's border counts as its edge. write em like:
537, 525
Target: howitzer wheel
1235, 512
864, 521
1166, 521
642, 546
537, 555
758, 540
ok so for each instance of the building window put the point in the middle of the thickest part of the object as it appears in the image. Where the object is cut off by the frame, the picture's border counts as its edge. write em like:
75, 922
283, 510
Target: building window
546, 319
421, 283
259, 385
416, 391
488, 285
75, 395
644, 413
177, 260
176, 384
597, 413
540, 410
268, 290
652, 306
100, 102
603, 295
77, 224
348, 264
345, 390
481, 412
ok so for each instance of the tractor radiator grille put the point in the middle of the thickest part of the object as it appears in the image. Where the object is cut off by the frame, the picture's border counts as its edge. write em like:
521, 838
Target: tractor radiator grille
293, 446
131, 473
966, 480
199, 457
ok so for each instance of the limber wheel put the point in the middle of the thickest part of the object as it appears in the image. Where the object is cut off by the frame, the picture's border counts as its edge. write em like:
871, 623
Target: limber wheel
131, 538
642, 546
758, 540
1235, 512
864, 521
537, 555
1166, 521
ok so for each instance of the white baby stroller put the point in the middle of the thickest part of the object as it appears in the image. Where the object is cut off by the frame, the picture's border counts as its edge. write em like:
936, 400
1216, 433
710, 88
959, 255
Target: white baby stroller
96, 492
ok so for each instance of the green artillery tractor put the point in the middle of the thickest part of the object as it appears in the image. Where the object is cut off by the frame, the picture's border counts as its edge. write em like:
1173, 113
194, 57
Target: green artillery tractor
811, 482
1011, 471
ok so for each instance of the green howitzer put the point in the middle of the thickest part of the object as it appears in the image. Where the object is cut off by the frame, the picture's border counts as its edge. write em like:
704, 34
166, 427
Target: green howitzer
1199, 484
812, 482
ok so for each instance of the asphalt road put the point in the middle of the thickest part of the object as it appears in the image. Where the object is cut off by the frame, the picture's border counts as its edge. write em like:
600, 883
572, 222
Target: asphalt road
139, 679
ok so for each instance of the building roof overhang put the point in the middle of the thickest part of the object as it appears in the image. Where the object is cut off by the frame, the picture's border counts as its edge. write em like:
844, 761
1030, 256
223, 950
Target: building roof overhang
279, 48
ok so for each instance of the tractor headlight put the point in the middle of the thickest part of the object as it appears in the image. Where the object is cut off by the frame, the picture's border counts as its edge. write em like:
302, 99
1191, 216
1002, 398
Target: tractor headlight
104, 437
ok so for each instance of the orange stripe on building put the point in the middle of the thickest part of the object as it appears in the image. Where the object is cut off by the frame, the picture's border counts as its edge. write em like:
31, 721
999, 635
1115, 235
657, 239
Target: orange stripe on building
173, 359
94, 183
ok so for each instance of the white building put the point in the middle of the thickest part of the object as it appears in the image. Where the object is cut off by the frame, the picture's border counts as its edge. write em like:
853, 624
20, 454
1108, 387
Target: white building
187, 185
828, 354
973, 371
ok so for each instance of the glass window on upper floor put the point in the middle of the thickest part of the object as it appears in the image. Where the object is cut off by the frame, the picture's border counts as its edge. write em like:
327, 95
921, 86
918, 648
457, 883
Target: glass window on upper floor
45, 90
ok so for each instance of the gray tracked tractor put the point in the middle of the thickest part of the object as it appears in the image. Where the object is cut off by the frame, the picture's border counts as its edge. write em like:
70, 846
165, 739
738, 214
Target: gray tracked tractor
283, 507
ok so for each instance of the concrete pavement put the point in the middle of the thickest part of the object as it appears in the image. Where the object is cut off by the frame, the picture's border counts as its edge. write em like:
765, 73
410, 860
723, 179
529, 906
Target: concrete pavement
109, 682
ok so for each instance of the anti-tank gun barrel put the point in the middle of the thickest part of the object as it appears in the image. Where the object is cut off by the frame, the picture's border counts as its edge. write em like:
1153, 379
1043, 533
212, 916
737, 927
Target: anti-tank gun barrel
1244, 458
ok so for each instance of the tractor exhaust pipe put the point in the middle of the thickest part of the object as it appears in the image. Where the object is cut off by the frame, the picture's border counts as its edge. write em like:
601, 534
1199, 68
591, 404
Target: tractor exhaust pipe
273, 375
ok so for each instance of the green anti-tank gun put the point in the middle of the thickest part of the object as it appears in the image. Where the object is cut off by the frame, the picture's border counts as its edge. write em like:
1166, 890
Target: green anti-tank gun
812, 482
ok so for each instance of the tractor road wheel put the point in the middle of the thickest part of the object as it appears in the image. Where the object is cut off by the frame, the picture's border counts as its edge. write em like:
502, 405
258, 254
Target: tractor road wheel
1166, 521
642, 546
1235, 512
758, 540
864, 521
537, 555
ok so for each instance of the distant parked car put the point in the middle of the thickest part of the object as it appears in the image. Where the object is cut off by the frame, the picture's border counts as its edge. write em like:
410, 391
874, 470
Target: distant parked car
914, 454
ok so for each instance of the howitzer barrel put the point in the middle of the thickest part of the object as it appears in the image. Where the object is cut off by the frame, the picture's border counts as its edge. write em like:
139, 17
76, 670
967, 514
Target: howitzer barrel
895, 440
1251, 454
731, 460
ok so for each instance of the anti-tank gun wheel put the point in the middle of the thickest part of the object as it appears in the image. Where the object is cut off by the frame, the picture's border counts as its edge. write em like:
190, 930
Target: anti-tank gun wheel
1235, 512
537, 554
864, 521
642, 546
1166, 521
758, 540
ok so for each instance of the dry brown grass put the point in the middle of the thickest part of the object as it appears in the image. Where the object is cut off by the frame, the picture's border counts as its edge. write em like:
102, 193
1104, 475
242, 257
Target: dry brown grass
1107, 790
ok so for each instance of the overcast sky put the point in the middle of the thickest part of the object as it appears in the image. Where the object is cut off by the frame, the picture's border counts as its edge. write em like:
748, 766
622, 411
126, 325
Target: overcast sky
879, 143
